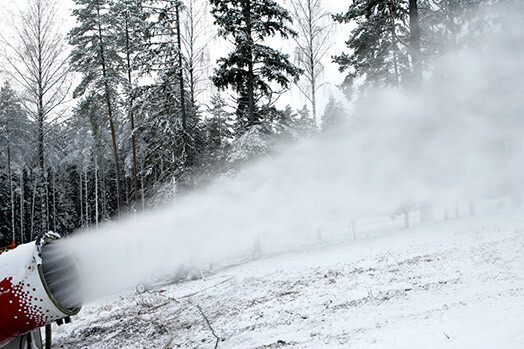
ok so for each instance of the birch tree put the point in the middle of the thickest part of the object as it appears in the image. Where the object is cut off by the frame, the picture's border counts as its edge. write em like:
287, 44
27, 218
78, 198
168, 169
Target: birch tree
37, 55
314, 26
196, 36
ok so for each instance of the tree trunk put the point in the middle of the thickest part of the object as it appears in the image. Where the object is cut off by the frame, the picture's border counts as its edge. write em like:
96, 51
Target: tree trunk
127, 191
187, 145
131, 112
395, 58
54, 201
312, 64
48, 208
33, 211
250, 74
414, 26
472, 210
11, 192
191, 55
86, 182
96, 193
22, 203
142, 185
107, 93
41, 113
426, 212
81, 194
43, 197
104, 199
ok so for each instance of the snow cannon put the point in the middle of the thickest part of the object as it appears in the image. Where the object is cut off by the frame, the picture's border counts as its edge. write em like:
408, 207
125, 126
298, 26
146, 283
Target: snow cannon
39, 284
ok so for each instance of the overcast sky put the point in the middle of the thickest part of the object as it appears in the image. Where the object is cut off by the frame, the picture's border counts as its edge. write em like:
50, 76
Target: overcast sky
332, 76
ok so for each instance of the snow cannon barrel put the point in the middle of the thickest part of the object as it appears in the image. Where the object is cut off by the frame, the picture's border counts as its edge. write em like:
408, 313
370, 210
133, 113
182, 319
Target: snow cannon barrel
39, 284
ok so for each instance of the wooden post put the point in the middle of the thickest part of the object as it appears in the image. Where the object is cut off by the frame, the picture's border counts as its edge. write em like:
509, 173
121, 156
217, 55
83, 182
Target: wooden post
48, 337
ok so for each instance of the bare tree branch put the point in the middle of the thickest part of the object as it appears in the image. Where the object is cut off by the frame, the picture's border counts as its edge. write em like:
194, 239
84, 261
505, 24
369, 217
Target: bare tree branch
314, 26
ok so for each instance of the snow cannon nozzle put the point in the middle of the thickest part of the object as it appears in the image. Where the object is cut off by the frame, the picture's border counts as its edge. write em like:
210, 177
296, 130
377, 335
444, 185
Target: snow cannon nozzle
39, 284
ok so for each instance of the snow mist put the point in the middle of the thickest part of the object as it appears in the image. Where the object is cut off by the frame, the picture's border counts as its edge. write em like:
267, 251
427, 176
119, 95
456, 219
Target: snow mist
457, 138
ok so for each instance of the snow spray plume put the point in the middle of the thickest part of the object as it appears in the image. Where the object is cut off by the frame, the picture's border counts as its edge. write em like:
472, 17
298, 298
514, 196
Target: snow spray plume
459, 137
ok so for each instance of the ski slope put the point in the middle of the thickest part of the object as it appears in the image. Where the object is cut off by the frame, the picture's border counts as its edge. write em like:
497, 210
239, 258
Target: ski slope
452, 284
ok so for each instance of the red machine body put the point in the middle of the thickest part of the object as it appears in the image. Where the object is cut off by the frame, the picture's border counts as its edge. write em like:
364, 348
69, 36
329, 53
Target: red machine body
27, 299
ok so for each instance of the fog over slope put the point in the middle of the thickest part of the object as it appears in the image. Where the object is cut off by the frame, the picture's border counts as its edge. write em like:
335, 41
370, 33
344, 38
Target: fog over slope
458, 137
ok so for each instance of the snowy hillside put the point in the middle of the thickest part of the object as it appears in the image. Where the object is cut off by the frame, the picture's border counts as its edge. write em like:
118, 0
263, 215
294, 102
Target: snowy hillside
454, 284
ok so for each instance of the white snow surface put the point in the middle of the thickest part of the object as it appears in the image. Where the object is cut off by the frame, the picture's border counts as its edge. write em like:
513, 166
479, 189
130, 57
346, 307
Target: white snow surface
453, 284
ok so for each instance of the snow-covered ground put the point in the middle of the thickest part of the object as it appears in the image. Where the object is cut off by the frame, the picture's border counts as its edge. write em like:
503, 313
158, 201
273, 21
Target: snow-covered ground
454, 284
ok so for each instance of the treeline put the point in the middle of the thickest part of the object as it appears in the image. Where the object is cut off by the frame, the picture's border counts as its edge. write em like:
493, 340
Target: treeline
154, 117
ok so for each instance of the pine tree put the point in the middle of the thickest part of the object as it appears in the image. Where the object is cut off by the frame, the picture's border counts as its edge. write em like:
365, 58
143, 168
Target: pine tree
164, 156
89, 154
96, 57
166, 104
252, 67
219, 122
305, 124
452, 25
132, 32
218, 135
282, 123
385, 49
334, 114
304, 112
